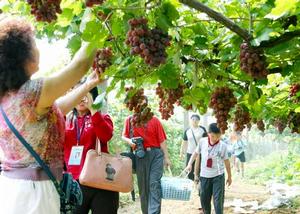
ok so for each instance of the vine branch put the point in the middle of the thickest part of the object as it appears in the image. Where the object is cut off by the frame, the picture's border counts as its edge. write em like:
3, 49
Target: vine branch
218, 17
283, 38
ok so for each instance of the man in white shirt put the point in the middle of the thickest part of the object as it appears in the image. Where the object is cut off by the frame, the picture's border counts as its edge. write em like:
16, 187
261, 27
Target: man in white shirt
191, 138
214, 159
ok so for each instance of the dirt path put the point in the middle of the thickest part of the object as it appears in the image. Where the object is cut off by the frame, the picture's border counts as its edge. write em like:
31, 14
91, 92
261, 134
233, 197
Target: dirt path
240, 189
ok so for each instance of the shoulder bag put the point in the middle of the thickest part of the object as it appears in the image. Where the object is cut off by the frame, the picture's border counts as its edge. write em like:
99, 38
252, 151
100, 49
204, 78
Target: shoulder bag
106, 171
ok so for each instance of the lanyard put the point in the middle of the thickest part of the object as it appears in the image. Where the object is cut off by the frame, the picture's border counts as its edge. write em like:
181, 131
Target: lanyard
209, 151
78, 131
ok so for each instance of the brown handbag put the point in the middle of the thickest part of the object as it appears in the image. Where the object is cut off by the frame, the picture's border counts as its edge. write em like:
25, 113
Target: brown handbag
105, 171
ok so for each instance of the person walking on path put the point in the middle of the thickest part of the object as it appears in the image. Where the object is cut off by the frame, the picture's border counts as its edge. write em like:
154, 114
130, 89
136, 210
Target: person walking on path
212, 178
149, 169
191, 138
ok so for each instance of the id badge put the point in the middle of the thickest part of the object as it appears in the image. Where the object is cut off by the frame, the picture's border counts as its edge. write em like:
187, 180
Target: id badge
209, 163
76, 155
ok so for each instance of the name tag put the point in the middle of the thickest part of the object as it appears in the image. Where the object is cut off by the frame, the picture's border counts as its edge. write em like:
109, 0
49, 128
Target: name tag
76, 155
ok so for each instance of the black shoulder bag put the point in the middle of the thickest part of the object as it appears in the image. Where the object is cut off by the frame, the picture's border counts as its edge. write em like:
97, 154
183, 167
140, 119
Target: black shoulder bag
68, 189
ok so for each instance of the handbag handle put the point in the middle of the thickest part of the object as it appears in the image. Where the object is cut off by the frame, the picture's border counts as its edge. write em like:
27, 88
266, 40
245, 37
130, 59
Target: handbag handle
98, 146
32, 152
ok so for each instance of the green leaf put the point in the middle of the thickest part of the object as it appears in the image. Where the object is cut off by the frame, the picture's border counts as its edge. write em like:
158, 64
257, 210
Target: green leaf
263, 36
65, 18
94, 32
297, 110
117, 26
199, 29
253, 94
99, 101
168, 75
74, 44
201, 42
170, 11
283, 7
162, 22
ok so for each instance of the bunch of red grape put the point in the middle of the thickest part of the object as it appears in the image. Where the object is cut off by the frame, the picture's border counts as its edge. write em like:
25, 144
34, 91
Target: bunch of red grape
260, 125
253, 61
139, 105
149, 44
168, 97
294, 122
294, 89
45, 10
221, 101
280, 124
102, 60
241, 119
91, 3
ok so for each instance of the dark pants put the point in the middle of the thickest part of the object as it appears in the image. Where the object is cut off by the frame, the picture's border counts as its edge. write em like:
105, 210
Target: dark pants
149, 170
98, 201
212, 187
191, 174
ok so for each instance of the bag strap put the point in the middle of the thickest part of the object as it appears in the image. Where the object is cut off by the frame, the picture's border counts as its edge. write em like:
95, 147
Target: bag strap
130, 128
194, 137
130, 131
32, 152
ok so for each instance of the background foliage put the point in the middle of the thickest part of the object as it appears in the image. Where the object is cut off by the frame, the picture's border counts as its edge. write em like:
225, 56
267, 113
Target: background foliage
204, 53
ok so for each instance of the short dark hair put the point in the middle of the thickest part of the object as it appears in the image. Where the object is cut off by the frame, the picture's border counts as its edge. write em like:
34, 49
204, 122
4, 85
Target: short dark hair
195, 116
16, 45
213, 128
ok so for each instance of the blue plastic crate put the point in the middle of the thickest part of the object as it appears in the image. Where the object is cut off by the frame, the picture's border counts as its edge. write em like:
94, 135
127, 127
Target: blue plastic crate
174, 188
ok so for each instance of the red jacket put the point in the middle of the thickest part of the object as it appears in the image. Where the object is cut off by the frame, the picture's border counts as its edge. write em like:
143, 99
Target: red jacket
99, 125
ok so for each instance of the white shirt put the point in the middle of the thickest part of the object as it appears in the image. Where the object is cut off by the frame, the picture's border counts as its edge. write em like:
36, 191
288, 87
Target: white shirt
218, 153
199, 132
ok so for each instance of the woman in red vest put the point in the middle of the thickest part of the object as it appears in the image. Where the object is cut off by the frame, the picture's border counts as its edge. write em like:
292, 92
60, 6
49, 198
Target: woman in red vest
84, 126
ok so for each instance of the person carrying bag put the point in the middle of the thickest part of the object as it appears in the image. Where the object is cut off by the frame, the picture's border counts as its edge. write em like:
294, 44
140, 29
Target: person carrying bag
68, 189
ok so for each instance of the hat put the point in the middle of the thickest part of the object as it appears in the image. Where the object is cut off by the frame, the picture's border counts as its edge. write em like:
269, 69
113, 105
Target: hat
94, 92
213, 128
195, 116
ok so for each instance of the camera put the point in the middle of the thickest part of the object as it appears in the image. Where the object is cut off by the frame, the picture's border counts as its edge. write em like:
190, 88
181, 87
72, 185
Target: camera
140, 151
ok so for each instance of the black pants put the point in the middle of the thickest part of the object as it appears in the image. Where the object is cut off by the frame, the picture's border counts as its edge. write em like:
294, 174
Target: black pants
98, 201
212, 187
191, 174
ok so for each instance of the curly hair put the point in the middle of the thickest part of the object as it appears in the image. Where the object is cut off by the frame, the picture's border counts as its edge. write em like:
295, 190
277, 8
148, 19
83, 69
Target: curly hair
16, 43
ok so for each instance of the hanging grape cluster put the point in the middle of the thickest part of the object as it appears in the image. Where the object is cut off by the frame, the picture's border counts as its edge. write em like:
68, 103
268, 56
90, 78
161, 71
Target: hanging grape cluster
260, 125
294, 89
280, 124
168, 97
149, 44
102, 60
139, 105
241, 119
253, 61
45, 10
294, 122
221, 101
91, 3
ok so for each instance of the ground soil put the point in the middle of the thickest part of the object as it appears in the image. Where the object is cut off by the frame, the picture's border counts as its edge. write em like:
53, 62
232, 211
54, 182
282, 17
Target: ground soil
240, 189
